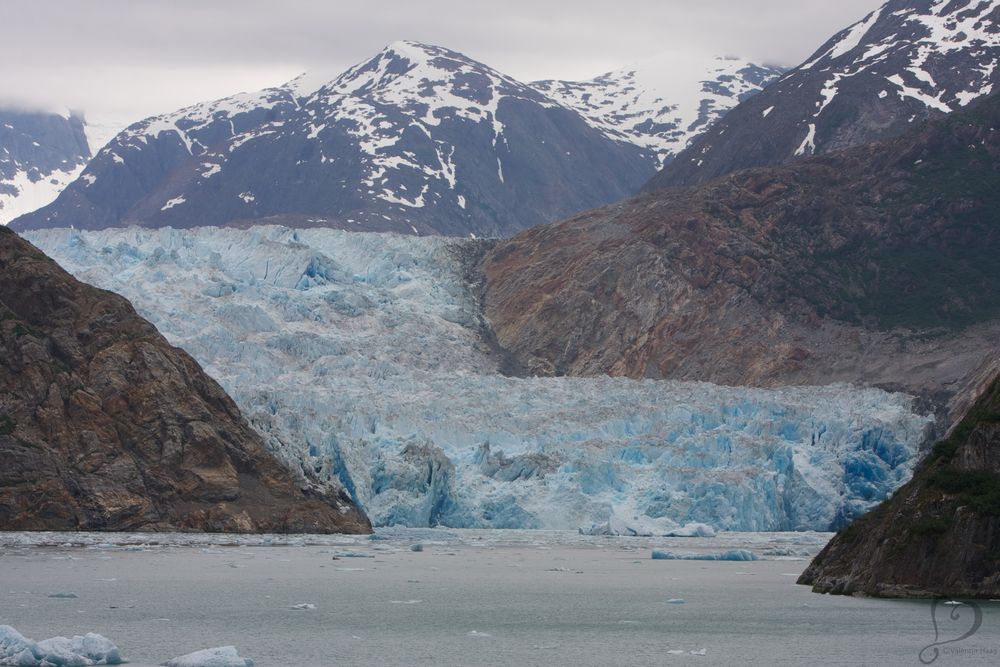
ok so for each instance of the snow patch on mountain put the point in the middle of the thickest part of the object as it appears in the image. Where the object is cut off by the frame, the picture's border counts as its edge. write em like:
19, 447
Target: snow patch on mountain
662, 103
357, 357
931, 35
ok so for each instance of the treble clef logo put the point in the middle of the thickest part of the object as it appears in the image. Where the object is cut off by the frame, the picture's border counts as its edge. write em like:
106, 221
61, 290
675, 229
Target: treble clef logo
931, 652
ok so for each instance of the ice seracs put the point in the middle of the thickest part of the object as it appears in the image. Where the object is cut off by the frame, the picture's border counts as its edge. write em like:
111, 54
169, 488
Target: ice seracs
358, 357
78, 651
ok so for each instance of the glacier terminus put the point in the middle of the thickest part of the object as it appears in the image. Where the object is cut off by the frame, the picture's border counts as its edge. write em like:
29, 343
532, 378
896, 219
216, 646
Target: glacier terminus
359, 358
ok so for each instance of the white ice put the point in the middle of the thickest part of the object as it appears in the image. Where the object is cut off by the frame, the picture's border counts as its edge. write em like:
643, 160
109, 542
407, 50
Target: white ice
223, 656
90, 649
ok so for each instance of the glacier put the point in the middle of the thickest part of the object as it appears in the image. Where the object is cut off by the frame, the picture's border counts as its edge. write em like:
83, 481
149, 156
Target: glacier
358, 357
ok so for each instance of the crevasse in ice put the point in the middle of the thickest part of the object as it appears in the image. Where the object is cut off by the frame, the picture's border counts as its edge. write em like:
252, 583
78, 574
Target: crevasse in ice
356, 356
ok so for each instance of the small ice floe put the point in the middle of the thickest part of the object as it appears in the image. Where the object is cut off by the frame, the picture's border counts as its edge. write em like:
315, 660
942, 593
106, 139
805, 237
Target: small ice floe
732, 555
416, 547
477, 633
63, 596
349, 569
405, 601
223, 656
305, 606
351, 554
645, 526
90, 649
675, 601
701, 651
954, 603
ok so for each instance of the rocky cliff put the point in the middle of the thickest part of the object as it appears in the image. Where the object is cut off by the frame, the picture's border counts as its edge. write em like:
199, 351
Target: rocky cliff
939, 535
873, 265
105, 426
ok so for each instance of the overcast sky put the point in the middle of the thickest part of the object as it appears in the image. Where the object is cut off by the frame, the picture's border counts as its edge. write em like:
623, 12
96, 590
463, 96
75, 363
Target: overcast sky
125, 59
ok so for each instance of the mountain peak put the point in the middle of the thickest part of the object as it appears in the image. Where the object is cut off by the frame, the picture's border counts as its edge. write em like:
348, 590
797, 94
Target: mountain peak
907, 61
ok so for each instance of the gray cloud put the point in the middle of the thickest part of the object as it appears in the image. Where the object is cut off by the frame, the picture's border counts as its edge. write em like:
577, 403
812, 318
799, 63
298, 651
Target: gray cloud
125, 58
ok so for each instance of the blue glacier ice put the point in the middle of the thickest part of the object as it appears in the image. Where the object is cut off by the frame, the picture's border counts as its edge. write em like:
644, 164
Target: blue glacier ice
357, 357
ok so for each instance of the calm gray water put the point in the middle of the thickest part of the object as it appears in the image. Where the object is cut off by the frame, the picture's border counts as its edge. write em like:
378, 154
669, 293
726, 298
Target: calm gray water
469, 598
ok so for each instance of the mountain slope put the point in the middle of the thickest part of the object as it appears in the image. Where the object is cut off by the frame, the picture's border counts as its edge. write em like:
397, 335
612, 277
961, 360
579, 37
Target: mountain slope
939, 535
662, 104
105, 426
419, 139
40, 153
874, 265
905, 62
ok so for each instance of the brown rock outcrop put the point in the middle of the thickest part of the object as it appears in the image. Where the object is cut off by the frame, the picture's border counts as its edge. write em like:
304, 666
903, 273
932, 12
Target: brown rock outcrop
106, 426
875, 265
939, 535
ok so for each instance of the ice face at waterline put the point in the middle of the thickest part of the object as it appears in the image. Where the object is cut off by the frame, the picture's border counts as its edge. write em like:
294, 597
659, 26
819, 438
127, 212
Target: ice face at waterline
356, 355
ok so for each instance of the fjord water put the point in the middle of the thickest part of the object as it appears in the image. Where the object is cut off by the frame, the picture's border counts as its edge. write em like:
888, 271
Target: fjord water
468, 597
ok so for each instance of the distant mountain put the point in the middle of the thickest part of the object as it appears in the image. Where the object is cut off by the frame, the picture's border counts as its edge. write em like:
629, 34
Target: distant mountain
937, 536
876, 264
662, 103
105, 426
905, 62
40, 153
419, 139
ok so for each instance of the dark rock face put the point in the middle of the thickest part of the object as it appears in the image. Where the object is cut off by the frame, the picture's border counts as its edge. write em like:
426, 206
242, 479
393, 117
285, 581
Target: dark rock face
873, 265
105, 426
417, 140
908, 61
939, 535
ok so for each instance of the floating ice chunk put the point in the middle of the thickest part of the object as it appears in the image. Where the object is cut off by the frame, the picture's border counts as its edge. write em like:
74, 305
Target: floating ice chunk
675, 601
646, 526
305, 606
476, 633
223, 656
405, 601
734, 555
700, 651
63, 596
416, 547
90, 649
352, 554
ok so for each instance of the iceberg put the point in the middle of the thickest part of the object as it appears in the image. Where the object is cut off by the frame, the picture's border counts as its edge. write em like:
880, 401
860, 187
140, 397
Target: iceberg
359, 358
78, 651
645, 526
223, 656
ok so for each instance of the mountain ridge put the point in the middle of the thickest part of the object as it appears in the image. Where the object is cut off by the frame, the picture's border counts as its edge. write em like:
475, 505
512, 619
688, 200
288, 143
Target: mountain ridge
907, 61
418, 139
722, 282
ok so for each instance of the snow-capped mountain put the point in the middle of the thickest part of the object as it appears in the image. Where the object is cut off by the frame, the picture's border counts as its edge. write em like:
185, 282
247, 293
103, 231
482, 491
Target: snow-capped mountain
41, 153
662, 103
419, 139
904, 62
358, 357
